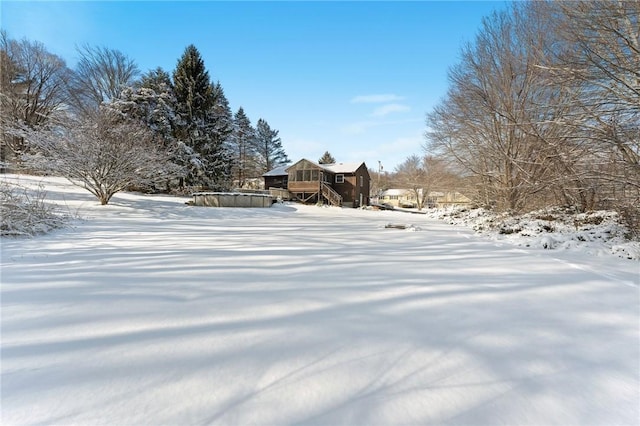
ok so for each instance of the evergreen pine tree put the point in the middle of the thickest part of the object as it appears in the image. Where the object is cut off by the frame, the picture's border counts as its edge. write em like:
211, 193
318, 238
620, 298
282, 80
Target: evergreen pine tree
192, 88
167, 122
326, 158
243, 143
200, 124
269, 150
218, 153
158, 80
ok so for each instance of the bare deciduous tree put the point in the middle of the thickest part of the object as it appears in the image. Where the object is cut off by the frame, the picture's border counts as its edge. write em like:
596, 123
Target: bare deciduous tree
505, 120
544, 107
493, 95
32, 87
104, 153
99, 77
601, 64
422, 175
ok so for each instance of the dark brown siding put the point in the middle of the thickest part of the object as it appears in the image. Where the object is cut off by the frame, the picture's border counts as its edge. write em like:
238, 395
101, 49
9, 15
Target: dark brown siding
351, 189
362, 185
346, 189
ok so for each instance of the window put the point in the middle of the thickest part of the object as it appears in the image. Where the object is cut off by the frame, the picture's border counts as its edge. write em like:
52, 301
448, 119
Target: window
339, 178
361, 181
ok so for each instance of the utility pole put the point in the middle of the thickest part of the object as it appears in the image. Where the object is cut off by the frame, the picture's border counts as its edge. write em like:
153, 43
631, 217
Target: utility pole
379, 173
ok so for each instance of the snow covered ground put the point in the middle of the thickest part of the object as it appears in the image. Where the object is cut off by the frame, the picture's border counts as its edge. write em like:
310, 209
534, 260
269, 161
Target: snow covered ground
597, 233
149, 311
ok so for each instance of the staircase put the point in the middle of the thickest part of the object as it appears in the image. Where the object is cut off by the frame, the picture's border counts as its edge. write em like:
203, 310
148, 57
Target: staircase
331, 195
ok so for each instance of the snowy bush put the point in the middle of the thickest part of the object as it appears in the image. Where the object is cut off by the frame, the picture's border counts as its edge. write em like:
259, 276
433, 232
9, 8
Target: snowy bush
553, 228
25, 212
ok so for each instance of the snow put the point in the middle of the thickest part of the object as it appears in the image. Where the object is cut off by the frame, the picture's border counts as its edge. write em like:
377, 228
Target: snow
150, 311
597, 233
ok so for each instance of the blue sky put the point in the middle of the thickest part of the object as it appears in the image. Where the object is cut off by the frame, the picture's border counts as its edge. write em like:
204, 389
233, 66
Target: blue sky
352, 78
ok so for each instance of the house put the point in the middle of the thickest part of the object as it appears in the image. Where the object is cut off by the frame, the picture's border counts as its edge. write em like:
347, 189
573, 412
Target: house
443, 199
406, 198
398, 198
339, 184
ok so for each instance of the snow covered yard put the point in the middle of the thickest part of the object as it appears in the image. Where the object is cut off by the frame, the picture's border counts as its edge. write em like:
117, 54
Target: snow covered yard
149, 311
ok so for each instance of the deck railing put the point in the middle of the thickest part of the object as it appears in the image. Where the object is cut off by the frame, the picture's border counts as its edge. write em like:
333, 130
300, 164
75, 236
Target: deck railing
331, 195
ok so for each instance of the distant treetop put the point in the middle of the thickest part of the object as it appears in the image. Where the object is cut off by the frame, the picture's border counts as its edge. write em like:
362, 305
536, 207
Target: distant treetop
326, 158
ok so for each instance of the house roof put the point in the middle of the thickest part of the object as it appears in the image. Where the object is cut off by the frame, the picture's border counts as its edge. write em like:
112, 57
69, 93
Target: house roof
278, 171
333, 168
395, 191
308, 161
341, 167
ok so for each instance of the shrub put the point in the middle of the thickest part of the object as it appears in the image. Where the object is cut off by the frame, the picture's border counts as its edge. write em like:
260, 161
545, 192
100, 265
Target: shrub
25, 212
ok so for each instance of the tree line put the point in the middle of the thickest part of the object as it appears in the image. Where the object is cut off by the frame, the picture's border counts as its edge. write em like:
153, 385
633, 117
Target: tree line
543, 108
107, 127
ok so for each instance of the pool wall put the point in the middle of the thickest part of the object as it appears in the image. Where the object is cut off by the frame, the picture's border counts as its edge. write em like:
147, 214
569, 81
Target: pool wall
231, 199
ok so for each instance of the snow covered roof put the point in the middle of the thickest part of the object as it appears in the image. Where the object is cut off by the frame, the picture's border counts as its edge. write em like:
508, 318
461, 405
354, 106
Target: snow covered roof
333, 168
278, 171
341, 167
395, 191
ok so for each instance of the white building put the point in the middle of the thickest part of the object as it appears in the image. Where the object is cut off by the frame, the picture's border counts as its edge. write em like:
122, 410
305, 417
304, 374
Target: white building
406, 198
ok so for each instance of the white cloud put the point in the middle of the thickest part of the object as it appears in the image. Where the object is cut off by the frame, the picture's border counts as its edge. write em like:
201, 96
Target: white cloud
376, 99
389, 108
360, 127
